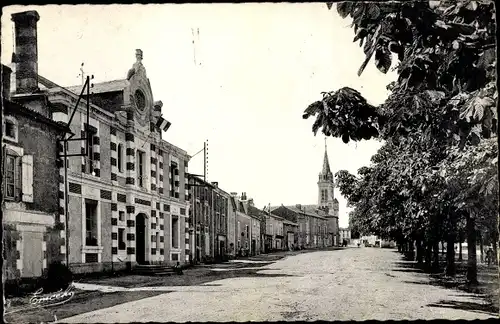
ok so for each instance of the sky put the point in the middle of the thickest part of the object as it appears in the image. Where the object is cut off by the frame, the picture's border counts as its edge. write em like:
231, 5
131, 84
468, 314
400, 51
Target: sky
243, 86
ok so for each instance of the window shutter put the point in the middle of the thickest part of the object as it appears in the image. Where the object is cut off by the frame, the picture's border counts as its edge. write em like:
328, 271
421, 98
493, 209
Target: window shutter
27, 182
17, 178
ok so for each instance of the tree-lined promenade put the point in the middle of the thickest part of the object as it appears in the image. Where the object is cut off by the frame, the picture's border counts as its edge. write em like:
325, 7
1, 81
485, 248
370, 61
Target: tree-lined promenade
435, 178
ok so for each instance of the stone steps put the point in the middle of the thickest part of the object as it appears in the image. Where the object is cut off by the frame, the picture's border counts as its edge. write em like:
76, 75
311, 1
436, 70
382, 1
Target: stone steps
153, 270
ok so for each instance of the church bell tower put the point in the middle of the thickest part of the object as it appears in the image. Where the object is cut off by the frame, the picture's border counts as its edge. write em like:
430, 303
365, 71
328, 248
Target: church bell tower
326, 184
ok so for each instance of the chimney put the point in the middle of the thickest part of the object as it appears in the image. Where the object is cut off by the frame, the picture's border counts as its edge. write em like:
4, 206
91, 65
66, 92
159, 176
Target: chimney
6, 72
26, 53
234, 194
299, 206
216, 184
250, 202
243, 196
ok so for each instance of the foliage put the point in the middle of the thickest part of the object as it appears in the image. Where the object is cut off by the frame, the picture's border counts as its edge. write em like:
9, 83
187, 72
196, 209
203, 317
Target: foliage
445, 54
439, 124
344, 113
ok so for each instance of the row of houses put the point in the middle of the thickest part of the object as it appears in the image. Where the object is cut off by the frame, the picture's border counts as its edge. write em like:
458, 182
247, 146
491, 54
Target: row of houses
89, 180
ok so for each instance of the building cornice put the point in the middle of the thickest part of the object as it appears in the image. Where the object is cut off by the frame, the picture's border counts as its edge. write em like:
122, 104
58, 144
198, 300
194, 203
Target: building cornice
104, 185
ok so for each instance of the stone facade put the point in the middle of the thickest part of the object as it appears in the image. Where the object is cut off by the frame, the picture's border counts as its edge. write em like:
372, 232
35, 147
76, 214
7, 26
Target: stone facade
311, 226
208, 220
30, 182
247, 230
127, 197
290, 230
275, 235
124, 195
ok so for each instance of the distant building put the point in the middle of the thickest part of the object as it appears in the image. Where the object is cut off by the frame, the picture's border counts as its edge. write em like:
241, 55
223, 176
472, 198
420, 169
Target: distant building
256, 219
318, 225
243, 226
208, 220
275, 235
345, 234
312, 227
247, 238
290, 231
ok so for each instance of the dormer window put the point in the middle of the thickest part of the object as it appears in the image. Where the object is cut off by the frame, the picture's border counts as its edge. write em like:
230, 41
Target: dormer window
10, 129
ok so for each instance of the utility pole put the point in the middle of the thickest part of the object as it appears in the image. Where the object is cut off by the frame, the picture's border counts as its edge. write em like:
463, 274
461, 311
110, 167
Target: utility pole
64, 142
205, 160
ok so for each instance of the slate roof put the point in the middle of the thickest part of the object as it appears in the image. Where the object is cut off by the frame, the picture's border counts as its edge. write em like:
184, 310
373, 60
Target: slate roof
308, 210
103, 87
15, 108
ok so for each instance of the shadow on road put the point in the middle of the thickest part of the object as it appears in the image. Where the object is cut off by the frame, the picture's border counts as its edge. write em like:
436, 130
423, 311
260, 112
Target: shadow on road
465, 305
408, 270
194, 279
486, 291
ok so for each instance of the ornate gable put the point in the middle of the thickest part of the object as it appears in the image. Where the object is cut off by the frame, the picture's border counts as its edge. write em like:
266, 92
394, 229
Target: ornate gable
139, 94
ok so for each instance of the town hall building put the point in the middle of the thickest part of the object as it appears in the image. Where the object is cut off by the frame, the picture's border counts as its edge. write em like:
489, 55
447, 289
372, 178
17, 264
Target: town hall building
123, 196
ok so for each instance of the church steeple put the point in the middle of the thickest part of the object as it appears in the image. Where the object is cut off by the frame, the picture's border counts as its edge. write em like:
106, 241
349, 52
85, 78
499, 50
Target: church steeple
326, 165
326, 183
326, 173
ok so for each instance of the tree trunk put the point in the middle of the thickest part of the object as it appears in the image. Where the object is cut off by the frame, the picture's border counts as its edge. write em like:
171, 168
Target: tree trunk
460, 251
471, 249
411, 254
420, 251
495, 251
450, 255
435, 256
428, 255
481, 246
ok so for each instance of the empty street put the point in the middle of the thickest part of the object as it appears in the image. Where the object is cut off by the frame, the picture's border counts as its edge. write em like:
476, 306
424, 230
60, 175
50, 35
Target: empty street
349, 284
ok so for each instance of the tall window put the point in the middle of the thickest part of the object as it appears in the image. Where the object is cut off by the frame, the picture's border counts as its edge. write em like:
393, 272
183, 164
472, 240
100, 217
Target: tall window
90, 151
140, 169
120, 157
121, 239
247, 230
121, 216
18, 175
91, 223
11, 176
174, 180
175, 237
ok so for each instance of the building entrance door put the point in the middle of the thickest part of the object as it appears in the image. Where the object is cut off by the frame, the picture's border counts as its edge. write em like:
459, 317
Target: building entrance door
140, 239
222, 248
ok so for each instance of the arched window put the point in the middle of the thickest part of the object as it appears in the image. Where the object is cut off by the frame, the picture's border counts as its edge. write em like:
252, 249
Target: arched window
120, 157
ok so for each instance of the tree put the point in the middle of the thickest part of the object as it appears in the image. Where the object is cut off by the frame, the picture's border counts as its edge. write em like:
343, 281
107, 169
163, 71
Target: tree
441, 107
